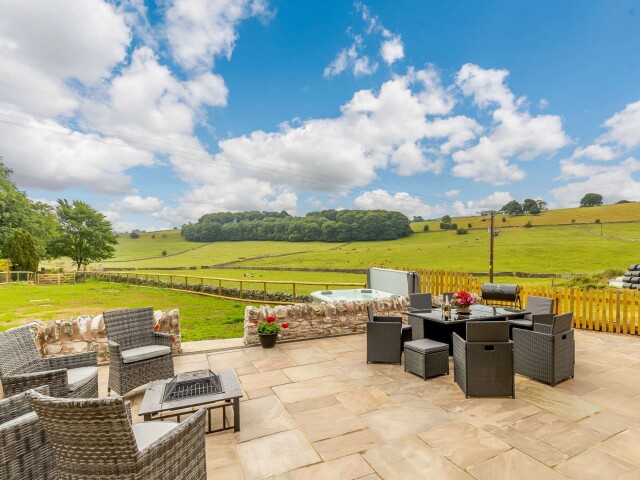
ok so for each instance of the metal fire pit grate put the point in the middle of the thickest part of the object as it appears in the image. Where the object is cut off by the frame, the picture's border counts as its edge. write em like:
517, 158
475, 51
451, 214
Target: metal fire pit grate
192, 384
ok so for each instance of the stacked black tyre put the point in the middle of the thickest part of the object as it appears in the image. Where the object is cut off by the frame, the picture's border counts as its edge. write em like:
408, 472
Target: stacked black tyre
631, 279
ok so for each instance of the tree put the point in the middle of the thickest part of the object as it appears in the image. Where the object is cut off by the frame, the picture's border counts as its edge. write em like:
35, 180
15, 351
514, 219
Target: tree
446, 219
512, 208
85, 235
591, 200
22, 251
425, 228
542, 205
531, 206
17, 211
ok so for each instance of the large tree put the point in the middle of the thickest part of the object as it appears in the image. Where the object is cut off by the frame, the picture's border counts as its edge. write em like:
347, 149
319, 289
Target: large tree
17, 211
591, 200
85, 235
530, 206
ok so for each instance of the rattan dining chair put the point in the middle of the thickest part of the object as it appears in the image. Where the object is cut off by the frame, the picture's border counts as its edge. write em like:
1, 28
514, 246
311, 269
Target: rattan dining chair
546, 353
420, 301
25, 449
483, 363
22, 368
137, 354
94, 439
538, 308
385, 338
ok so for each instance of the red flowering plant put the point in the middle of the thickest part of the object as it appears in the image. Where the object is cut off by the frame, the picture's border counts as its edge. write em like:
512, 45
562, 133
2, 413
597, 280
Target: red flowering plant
463, 299
270, 326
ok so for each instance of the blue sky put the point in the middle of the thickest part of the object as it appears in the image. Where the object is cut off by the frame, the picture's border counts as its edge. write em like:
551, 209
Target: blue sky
159, 112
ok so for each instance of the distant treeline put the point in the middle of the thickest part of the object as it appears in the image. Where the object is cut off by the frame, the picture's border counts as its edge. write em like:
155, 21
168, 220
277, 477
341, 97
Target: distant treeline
324, 226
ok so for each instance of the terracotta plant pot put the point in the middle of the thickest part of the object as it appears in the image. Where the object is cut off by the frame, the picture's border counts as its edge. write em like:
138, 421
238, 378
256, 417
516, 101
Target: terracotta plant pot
268, 340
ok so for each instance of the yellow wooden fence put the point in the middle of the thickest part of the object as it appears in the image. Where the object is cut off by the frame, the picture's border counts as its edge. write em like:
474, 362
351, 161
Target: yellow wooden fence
13, 276
605, 310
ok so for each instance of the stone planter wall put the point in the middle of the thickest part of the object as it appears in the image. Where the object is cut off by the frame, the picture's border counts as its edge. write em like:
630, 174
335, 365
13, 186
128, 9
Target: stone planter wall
86, 333
311, 320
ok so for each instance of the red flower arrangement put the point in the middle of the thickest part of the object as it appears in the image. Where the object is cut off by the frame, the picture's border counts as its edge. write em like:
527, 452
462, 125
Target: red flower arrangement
463, 299
271, 326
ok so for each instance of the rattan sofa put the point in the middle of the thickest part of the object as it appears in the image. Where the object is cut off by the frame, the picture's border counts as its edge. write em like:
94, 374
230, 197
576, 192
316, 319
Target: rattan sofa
25, 450
483, 363
137, 354
22, 368
546, 353
95, 439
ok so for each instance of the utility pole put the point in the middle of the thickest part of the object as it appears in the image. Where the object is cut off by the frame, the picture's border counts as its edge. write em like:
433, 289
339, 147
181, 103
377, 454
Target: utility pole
491, 246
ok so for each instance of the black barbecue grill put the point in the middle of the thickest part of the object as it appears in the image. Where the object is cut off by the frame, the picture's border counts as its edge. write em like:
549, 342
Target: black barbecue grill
501, 293
192, 384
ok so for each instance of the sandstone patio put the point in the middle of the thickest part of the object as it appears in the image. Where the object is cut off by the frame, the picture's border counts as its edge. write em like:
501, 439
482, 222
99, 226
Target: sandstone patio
314, 409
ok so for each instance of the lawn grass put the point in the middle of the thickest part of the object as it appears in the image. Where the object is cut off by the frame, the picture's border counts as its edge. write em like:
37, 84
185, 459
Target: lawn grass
200, 317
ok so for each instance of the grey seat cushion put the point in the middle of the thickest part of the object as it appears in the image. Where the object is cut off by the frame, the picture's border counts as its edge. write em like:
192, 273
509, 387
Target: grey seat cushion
79, 377
426, 345
148, 432
144, 353
521, 322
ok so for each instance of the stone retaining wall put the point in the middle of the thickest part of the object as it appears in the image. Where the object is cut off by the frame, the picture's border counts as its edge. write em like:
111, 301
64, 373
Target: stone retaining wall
311, 320
86, 333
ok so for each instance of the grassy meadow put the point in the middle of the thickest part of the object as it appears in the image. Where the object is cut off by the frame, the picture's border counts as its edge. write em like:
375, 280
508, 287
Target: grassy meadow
200, 317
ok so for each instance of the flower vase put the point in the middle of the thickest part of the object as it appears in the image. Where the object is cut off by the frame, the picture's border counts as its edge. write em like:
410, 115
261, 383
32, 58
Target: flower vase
268, 340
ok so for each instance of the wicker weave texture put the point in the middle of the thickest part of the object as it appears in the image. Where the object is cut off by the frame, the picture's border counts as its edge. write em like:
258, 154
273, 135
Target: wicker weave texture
128, 329
25, 450
22, 368
428, 364
482, 367
545, 357
92, 439
384, 342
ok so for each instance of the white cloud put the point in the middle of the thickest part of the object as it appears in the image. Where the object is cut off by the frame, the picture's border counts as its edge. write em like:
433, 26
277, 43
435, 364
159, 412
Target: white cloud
403, 202
452, 193
200, 30
543, 103
355, 60
494, 201
613, 182
624, 127
595, 152
392, 49
146, 99
516, 134
137, 204
411, 158
49, 156
81, 39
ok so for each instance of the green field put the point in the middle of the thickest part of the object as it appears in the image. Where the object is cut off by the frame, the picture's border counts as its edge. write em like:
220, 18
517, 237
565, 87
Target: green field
200, 317
567, 216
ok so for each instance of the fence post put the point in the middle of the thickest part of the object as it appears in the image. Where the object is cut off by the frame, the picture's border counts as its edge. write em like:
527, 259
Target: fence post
294, 292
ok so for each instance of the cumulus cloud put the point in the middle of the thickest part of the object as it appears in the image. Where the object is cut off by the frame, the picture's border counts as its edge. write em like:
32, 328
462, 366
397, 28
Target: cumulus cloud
624, 127
494, 201
613, 182
452, 193
515, 135
137, 204
403, 202
392, 49
49, 156
200, 30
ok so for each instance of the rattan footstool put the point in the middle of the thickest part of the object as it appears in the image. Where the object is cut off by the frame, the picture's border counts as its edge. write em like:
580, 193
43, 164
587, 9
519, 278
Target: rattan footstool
426, 358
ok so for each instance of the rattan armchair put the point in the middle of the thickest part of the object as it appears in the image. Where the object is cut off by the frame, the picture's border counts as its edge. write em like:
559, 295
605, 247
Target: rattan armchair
95, 439
384, 338
25, 450
483, 363
137, 354
546, 353
22, 368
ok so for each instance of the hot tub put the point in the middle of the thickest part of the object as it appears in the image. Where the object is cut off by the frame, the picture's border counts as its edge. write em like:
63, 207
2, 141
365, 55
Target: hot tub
361, 294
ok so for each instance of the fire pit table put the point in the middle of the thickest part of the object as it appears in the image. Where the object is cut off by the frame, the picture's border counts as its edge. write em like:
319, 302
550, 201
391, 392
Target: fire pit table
192, 389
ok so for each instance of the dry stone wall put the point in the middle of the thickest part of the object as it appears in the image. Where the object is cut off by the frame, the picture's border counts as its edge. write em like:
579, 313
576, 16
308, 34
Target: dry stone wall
311, 320
86, 333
